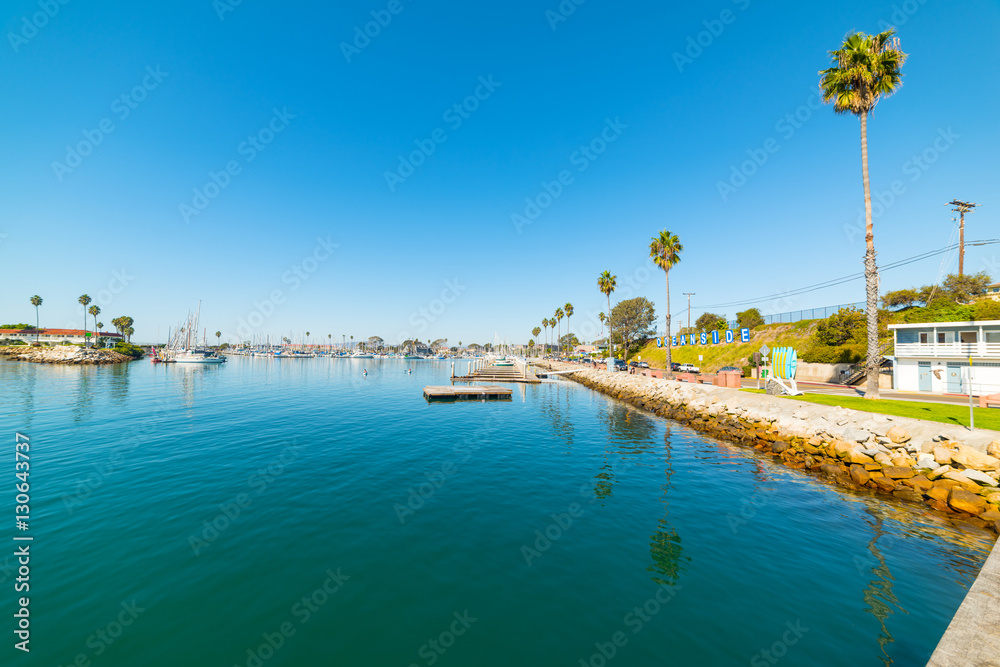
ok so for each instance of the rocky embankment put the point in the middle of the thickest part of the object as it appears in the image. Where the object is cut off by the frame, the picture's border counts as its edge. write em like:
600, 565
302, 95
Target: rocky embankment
64, 354
948, 468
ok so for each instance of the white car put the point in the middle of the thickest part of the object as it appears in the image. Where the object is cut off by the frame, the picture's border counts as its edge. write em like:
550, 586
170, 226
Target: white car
689, 368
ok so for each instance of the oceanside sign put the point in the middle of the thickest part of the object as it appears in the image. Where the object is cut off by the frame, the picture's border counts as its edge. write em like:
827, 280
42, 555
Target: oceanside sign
706, 338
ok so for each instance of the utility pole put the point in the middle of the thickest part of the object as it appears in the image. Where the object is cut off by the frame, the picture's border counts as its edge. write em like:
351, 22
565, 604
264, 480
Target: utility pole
961, 208
689, 295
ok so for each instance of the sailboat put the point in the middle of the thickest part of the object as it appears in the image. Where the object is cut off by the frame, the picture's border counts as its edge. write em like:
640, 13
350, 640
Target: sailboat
184, 347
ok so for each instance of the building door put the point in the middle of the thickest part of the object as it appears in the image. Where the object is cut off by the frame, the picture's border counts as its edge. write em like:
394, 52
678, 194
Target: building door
953, 376
924, 375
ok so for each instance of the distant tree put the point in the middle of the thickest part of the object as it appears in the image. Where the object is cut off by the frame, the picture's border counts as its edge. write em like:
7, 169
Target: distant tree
903, 298
601, 316
750, 318
710, 322
375, 342
84, 300
36, 301
569, 341
534, 333
100, 326
965, 288
559, 315
607, 284
218, 337
95, 311
569, 313
665, 249
128, 334
634, 319
987, 309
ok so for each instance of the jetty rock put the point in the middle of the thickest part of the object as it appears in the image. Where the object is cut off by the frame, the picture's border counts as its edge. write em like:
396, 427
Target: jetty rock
63, 354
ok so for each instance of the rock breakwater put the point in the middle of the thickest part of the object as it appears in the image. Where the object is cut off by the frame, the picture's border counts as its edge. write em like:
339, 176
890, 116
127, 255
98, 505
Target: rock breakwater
947, 468
64, 354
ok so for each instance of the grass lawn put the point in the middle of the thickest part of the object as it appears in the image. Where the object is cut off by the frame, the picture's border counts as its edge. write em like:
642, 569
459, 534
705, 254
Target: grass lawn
986, 418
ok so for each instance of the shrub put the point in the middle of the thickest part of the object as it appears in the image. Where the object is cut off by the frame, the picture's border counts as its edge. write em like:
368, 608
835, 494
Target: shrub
129, 350
987, 309
833, 354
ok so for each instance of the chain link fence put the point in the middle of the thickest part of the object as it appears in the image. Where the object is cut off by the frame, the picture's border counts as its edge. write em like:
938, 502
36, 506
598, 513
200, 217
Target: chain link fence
808, 314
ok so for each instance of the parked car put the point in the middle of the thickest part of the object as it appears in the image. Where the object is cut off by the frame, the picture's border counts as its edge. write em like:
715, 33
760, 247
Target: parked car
732, 368
643, 364
620, 365
675, 367
633, 364
689, 368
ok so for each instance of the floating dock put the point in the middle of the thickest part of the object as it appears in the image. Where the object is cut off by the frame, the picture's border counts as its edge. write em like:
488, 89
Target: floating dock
493, 372
471, 393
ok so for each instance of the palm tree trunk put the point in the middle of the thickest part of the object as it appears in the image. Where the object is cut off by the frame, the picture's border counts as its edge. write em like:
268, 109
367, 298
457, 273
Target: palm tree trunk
670, 359
36, 324
611, 350
871, 273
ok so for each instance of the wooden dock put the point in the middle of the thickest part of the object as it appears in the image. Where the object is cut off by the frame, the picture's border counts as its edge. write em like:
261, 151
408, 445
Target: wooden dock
494, 373
469, 393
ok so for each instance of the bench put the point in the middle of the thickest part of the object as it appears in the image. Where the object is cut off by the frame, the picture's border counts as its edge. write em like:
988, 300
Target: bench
991, 401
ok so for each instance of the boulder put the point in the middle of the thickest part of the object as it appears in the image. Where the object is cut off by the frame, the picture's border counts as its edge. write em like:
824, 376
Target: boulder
939, 493
990, 515
927, 462
939, 472
855, 456
942, 455
779, 447
963, 501
920, 483
884, 483
961, 478
993, 449
980, 477
968, 457
898, 434
906, 493
898, 472
851, 434
860, 475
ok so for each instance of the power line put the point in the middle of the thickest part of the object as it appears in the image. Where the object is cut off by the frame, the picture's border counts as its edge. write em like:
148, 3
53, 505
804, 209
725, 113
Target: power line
845, 279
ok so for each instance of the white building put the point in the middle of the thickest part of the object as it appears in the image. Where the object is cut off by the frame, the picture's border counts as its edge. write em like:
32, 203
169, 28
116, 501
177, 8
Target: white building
935, 357
55, 336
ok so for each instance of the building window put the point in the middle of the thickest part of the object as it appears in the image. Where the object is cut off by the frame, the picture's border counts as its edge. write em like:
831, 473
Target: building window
945, 337
969, 337
992, 336
924, 338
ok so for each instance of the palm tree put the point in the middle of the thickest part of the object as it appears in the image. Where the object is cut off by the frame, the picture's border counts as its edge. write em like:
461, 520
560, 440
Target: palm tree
36, 301
329, 342
569, 313
665, 250
559, 316
545, 345
602, 317
128, 334
607, 284
85, 301
865, 69
307, 338
100, 327
95, 310
535, 332
218, 338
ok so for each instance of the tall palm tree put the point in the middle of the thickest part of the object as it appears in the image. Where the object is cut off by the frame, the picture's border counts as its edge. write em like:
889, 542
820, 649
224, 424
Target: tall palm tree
665, 250
569, 313
559, 316
100, 326
535, 332
607, 284
94, 310
307, 338
545, 346
218, 338
602, 317
865, 69
36, 301
329, 342
85, 301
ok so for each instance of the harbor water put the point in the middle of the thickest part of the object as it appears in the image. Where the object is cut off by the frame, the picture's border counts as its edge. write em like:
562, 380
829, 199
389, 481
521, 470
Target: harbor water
297, 512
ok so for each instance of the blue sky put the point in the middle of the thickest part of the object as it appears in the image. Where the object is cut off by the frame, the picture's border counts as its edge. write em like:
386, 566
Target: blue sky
249, 156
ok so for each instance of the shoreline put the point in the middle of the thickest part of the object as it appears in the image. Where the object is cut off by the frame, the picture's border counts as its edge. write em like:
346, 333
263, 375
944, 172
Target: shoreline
945, 468
63, 354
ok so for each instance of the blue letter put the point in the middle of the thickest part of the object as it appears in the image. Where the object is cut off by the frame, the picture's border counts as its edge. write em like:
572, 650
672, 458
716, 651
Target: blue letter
715, 338
729, 335
744, 335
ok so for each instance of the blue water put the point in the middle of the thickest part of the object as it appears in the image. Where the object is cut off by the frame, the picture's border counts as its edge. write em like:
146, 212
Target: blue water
293, 512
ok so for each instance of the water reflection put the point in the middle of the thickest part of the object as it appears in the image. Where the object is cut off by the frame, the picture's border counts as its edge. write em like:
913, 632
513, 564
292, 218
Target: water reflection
558, 415
878, 595
118, 383
83, 406
665, 545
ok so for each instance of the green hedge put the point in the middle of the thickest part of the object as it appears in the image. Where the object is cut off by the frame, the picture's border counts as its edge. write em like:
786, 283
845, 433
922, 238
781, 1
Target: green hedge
129, 350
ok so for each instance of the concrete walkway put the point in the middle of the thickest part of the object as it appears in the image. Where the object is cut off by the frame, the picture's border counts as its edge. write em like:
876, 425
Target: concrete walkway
973, 636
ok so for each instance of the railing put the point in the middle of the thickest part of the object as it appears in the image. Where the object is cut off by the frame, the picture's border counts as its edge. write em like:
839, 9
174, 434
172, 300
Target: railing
976, 350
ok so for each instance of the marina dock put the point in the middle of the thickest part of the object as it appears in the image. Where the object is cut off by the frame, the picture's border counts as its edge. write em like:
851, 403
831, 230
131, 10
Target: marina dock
491, 371
473, 393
